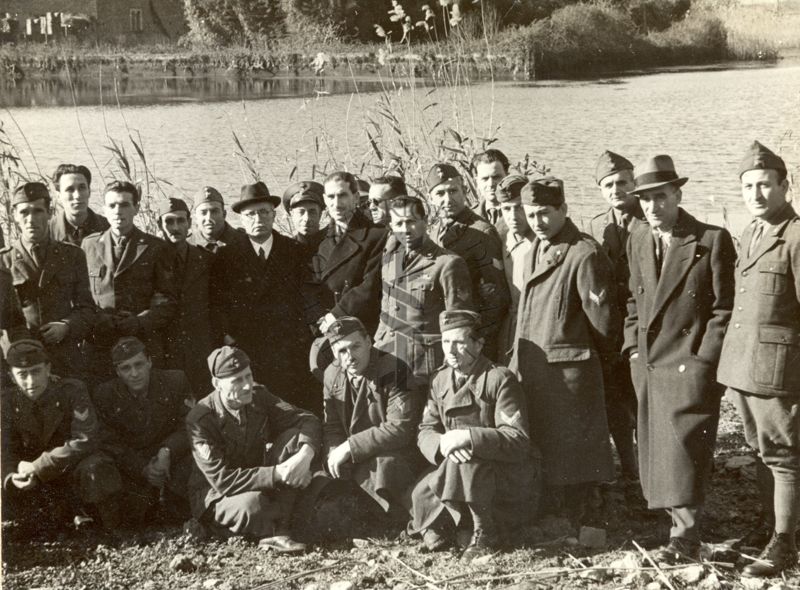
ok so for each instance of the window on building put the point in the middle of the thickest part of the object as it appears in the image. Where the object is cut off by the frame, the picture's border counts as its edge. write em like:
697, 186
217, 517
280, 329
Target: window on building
136, 20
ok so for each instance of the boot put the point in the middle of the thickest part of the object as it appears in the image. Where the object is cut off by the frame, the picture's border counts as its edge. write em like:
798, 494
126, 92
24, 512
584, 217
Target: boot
778, 555
482, 543
678, 551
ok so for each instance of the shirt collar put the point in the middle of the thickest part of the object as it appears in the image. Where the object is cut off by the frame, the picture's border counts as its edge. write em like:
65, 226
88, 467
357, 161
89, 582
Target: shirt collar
266, 246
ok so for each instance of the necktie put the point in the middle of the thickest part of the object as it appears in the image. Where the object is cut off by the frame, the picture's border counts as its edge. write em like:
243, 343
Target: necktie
660, 250
119, 250
461, 381
492, 214
38, 255
262, 255
408, 258
754, 241
211, 247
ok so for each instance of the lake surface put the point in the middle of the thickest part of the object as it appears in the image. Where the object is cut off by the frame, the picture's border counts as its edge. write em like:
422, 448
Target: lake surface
704, 119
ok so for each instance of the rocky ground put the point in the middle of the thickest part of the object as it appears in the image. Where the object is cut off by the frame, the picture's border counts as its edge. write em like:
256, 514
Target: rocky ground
548, 555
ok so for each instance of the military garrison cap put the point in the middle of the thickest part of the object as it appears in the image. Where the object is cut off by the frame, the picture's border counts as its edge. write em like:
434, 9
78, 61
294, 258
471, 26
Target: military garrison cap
172, 205
610, 163
450, 319
306, 191
760, 157
543, 192
343, 327
510, 188
126, 348
255, 193
30, 192
440, 173
226, 361
26, 353
208, 194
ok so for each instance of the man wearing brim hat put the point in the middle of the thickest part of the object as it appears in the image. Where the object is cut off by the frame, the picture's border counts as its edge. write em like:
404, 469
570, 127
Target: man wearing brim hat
212, 231
304, 203
759, 361
460, 230
257, 301
681, 294
614, 177
253, 453
565, 344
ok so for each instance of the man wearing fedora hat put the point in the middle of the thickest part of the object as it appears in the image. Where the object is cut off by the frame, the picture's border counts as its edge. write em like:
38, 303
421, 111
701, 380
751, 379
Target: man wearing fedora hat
213, 232
304, 203
188, 335
681, 294
257, 300
614, 177
760, 361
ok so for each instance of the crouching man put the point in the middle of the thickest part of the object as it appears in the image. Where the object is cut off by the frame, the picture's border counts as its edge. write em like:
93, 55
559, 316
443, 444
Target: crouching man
252, 453
372, 411
475, 431
49, 441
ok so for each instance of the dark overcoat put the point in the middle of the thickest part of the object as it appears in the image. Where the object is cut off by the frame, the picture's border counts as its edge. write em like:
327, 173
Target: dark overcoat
62, 231
676, 324
58, 292
379, 420
566, 330
229, 457
761, 351
434, 281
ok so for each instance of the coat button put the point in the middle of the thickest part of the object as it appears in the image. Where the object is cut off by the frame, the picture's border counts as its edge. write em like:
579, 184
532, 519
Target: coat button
736, 325
681, 368
744, 273
739, 308
686, 331
741, 289
650, 367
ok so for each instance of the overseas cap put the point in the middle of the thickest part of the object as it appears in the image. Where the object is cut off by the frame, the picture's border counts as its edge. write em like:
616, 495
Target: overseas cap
343, 327
610, 163
26, 353
208, 194
547, 191
440, 173
30, 192
458, 318
655, 173
226, 361
510, 188
126, 348
306, 191
172, 205
760, 157
255, 193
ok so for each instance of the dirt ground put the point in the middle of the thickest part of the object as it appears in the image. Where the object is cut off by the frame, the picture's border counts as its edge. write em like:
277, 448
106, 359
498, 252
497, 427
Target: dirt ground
547, 555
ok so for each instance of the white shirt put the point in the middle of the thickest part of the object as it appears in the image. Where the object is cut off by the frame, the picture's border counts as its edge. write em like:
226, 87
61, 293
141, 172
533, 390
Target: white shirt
266, 247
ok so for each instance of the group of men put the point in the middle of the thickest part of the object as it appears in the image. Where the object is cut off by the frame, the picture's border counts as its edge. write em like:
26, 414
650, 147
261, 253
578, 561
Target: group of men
447, 361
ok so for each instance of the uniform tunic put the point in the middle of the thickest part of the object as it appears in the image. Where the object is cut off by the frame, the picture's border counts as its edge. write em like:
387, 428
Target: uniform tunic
676, 323
62, 231
227, 237
515, 250
433, 281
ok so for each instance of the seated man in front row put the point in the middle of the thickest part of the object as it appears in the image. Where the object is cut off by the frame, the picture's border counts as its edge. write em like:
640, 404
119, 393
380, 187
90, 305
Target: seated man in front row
49, 440
252, 452
475, 431
372, 411
142, 412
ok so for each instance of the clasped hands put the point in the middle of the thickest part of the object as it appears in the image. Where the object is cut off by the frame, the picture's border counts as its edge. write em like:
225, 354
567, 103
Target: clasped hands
295, 472
456, 445
25, 477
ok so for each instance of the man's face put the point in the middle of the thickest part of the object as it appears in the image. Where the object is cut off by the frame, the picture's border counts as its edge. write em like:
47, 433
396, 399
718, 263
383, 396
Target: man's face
616, 190
461, 348
32, 381
660, 206
487, 177
236, 391
305, 217
378, 208
514, 216
408, 227
340, 200
545, 220
120, 211
257, 220
763, 194
175, 226
135, 372
448, 198
210, 220
31, 219
73, 194
353, 352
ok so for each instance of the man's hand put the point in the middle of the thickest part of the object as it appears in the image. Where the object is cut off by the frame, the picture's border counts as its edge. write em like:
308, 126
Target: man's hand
460, 456
24, 481
156, 472
455, 440
54, 332
326, 321
634, 355
25, 468
337, 457
295, 472
128, 325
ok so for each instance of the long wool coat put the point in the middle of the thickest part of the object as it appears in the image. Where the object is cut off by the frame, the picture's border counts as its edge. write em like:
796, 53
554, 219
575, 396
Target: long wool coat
676, 324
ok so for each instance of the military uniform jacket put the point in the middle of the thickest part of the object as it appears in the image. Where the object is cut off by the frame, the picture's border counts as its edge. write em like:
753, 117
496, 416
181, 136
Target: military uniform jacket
62, 231
142, 284
478, 243
133, 429
413, 298
54, 433
761, 351
59, 291
346, 276
229, 457
480, 210
229, 236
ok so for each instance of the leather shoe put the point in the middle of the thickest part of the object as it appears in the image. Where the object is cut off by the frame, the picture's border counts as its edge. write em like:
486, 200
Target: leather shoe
778, 555
433, 541
678, 551
756, 538
281, 544
482, 543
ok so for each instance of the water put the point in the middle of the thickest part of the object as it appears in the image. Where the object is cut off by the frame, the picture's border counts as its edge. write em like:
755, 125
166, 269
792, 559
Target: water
704, 119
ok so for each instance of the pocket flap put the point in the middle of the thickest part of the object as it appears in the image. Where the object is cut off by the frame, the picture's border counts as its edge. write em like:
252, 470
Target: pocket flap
780, 267
567, 354
778, 335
